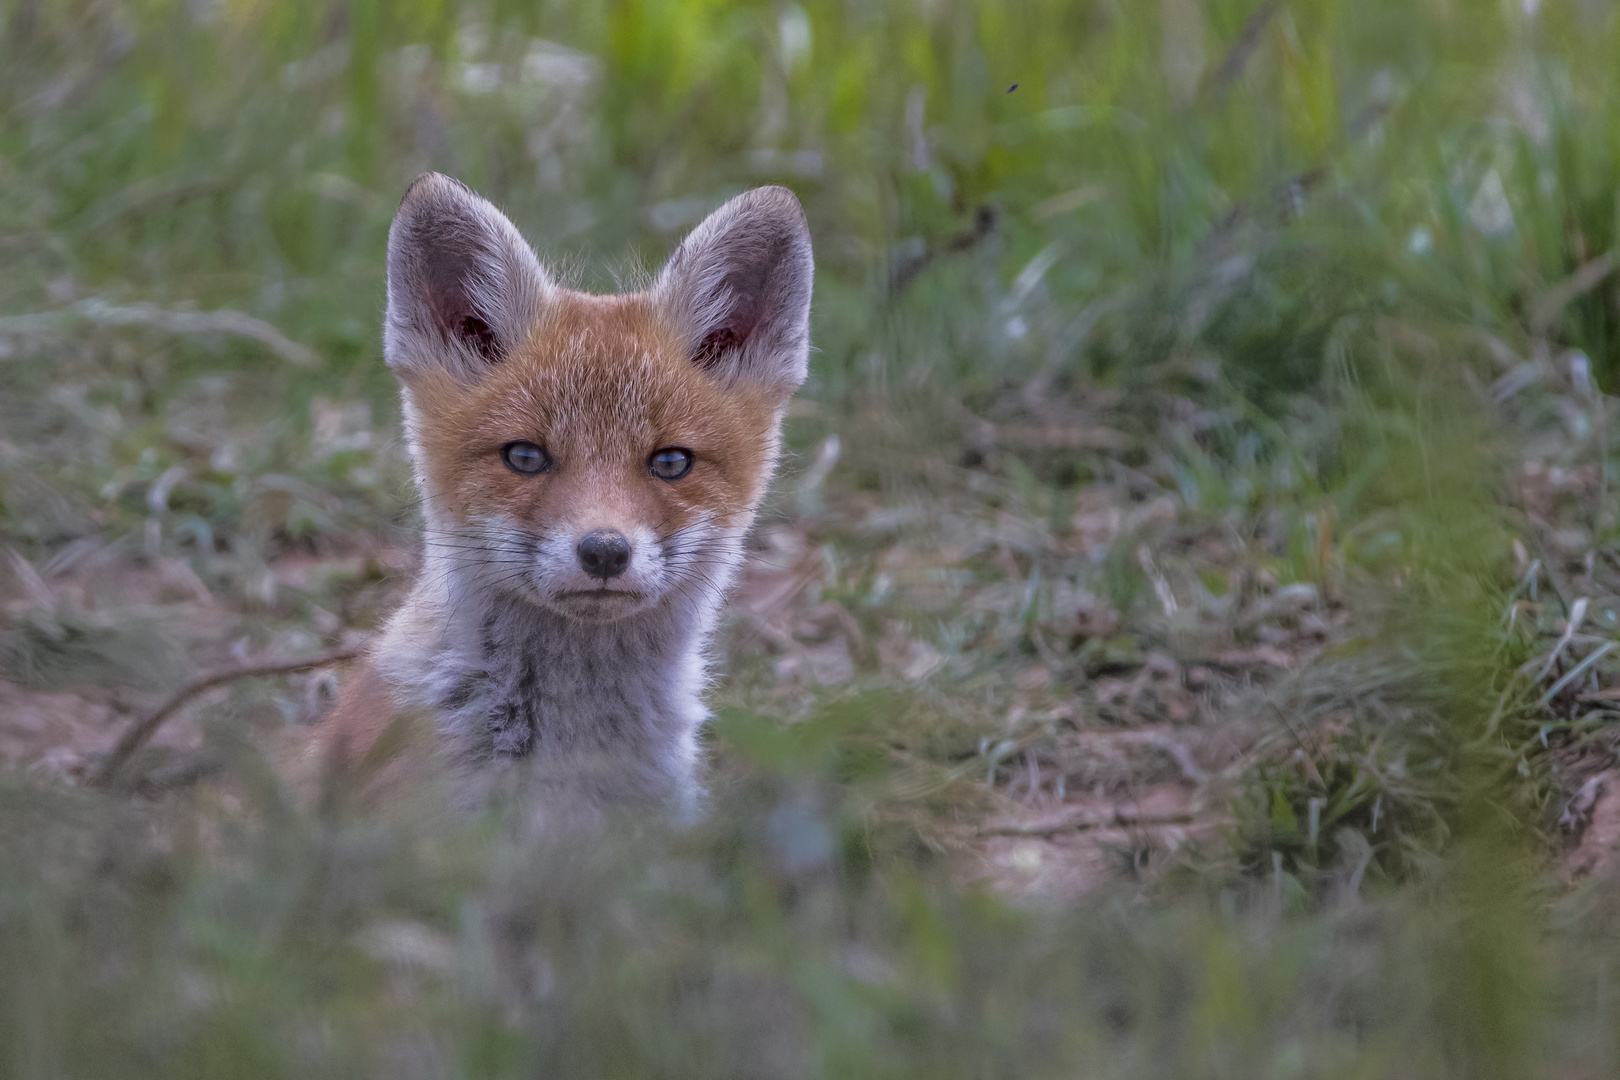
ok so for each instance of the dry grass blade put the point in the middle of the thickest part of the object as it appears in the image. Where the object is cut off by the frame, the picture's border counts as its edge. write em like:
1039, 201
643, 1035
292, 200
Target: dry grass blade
1574, 673
1577, 615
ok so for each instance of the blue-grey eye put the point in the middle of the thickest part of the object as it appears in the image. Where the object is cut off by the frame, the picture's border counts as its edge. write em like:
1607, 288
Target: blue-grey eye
671, 463
525, 458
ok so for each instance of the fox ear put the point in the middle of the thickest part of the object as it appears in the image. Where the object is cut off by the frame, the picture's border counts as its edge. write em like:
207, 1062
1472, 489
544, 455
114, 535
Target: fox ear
464, 288
738, 290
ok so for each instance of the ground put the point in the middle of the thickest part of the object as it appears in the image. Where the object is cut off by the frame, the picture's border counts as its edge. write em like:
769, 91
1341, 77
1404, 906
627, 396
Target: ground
1087, 744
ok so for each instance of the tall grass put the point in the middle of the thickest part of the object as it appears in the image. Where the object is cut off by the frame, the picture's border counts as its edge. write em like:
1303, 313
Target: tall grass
1280, 247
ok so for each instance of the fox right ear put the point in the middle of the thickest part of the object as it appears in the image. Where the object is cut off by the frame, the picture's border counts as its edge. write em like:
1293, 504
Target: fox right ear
464, 287
738, 291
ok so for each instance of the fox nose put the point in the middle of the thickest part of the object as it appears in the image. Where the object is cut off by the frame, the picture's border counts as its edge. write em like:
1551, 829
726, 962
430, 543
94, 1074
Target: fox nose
604, 553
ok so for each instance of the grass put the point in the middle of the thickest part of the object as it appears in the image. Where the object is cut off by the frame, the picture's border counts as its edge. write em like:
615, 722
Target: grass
1179, 644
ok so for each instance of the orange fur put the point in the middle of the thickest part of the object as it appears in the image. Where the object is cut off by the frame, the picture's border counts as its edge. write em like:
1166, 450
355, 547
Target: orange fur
364, 710
519, 638
600, 384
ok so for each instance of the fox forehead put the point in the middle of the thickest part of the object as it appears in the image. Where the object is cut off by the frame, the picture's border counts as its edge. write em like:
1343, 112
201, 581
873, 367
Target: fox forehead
601, 383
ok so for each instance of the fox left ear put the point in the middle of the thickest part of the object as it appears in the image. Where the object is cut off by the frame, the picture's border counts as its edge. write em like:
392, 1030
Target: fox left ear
738, 290
464, 287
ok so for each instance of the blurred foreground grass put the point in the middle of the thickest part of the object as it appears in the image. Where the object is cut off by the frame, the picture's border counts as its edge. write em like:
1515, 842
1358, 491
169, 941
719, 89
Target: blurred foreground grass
1180, 645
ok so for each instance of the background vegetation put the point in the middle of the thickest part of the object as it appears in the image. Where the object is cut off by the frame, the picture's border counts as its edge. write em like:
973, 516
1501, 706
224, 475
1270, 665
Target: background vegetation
1179, 646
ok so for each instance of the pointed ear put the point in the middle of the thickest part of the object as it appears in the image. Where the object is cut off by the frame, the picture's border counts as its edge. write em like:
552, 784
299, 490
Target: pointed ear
464, 288
738, 290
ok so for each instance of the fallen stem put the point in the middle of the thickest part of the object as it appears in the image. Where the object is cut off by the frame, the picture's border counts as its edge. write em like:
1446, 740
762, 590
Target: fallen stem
170, 320
1117, 820
136, 735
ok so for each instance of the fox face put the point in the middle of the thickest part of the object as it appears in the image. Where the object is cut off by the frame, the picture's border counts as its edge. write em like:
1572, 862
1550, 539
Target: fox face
596, 469
595, 456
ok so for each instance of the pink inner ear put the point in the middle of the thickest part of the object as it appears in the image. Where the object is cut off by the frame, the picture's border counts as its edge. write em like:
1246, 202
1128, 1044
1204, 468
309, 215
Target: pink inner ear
477, 333
716, 344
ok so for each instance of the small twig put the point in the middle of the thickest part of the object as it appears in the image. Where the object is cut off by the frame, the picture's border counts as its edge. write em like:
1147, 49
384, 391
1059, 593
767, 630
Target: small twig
1237, 57
906, 270
136, 735
1550, 304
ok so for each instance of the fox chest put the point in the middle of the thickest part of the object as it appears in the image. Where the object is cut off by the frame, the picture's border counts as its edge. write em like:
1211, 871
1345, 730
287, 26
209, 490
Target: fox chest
596, 696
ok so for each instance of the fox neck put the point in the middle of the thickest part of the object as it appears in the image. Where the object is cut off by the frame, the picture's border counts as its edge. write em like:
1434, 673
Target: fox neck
512, 680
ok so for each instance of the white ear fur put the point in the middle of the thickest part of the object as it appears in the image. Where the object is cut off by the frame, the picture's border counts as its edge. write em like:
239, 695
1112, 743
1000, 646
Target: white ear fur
738, 290
464, 288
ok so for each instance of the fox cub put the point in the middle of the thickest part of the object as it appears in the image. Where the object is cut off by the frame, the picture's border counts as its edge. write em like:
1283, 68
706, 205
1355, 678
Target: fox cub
588, 467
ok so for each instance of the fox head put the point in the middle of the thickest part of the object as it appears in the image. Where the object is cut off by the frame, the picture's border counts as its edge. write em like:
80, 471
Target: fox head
594, 455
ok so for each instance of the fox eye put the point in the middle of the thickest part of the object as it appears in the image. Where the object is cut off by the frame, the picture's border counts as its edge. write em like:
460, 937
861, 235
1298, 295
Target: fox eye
525, 458
670, 463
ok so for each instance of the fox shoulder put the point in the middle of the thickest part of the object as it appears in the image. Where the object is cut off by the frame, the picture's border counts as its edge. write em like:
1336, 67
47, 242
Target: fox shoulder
365, 708
367, 739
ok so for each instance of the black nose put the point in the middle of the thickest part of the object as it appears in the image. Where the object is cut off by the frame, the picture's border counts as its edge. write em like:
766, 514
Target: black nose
604, 553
